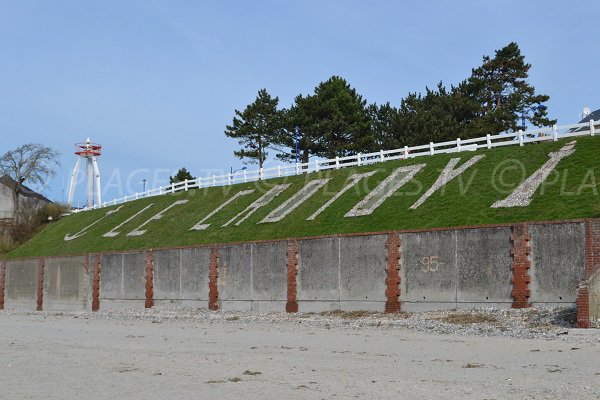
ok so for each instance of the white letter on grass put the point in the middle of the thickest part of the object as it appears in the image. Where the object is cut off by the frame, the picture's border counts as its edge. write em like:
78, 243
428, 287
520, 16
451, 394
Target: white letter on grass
262, 201
446, 176
385, 189
201, 225
84, 230
521, 196
113, 232
138, 231
293, 202
354, 179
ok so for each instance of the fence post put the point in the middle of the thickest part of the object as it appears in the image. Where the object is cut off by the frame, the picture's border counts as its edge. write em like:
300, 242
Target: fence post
381, 155
405, 152
279, 170
592, 128
297, 169
358, 159
260, 174
214, 180
136, 195
488, 140
431, 151
337, 162
316, 165
185, 185
554, 133
458, 145
229, 178
172, 188
520, 137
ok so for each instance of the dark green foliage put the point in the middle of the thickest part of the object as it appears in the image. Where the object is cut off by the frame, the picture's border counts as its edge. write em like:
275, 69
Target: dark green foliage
256, 128
502, 94
333, 121
181, 176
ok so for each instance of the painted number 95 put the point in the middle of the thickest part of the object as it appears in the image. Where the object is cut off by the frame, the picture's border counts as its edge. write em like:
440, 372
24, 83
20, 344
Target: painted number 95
430, 264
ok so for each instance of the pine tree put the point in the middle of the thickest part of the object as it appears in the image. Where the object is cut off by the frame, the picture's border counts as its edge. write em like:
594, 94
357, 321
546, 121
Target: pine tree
256, 128
503, 95
334, 121
181, 176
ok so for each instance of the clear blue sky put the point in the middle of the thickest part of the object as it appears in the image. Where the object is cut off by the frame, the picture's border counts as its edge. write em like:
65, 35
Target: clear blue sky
155, 82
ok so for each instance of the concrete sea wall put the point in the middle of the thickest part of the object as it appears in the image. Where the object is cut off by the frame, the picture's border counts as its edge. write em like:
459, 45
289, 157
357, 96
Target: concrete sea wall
518, 265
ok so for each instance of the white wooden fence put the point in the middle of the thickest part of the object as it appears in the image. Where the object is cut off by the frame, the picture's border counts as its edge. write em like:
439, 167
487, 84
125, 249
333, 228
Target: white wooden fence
487, 142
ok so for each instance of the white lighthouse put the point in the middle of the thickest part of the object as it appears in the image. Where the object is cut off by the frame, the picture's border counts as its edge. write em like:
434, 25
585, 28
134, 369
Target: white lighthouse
90, 152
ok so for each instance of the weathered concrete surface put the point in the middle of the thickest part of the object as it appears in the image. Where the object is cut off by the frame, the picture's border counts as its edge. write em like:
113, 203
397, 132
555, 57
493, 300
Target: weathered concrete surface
122, 280
181, 277
269, 276
593, 286
484, 266
429, 278
21, 285
319, 274
67, 284
363, 272
557, 262
235, 278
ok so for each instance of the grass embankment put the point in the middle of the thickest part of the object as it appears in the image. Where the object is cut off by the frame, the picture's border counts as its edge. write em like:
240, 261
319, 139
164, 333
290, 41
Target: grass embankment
570, 192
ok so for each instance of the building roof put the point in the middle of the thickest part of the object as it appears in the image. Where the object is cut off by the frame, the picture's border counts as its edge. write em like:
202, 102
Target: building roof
25, 191
593, 115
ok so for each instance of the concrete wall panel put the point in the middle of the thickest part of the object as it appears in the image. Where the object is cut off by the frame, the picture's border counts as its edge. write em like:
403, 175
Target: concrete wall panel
21, 285
194, 274
557, 262
67, 284
484, 265
167, 275
235, 277
594, 298
318, 272
428, 271
181, 277
269, 271
122, 280
363, 272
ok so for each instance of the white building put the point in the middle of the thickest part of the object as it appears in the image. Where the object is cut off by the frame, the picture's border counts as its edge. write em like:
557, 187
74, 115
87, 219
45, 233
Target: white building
27, 199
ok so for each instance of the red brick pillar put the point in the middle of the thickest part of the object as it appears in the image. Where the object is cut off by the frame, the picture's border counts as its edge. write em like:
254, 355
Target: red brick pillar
592, 263
213, 277
96, 284
2, 283
583, 307
520, 265
40, 285
292, 268
392, 281
149, 280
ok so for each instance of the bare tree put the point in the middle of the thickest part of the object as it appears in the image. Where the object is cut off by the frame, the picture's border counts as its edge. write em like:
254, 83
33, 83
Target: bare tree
30, 163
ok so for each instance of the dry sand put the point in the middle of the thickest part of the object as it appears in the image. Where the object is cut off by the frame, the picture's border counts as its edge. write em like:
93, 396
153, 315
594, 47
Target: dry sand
81, 355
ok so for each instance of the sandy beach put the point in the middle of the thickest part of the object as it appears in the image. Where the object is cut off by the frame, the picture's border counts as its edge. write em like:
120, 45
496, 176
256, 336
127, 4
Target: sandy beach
242, 356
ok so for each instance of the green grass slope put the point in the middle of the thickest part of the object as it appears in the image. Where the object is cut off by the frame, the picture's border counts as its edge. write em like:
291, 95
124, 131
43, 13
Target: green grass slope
570, 192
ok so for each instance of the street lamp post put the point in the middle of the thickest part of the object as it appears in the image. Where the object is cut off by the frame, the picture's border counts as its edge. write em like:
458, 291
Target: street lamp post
144, 183
296, 145
231, 172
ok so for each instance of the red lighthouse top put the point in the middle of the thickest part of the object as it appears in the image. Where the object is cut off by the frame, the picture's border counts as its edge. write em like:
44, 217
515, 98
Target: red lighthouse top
88, 149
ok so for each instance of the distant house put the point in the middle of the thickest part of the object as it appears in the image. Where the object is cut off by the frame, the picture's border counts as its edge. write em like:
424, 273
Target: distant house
593, 116
28, 199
